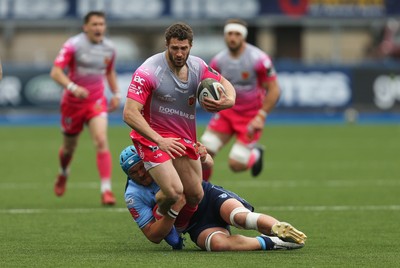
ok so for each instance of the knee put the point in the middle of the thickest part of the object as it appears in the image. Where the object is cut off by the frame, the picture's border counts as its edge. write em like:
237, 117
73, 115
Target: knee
194, 198
236, 166
239, 157
100, 142
217, 241
174, 195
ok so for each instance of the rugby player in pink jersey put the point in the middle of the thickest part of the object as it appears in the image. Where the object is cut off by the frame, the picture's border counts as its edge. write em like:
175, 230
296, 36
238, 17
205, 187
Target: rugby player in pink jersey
89, 58
252, 74
161, 110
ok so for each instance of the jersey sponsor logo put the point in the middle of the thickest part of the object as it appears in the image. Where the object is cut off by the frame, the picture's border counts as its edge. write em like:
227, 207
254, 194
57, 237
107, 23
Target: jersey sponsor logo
172, 111
224, 195
166, 98
139, 80
188, 141
158, 155
153, 148
135, 90
181, 90
134, 213
245, 75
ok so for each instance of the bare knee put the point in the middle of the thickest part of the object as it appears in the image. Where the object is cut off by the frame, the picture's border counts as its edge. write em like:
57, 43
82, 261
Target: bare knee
194, 198
236, 166
217, 241
100, 142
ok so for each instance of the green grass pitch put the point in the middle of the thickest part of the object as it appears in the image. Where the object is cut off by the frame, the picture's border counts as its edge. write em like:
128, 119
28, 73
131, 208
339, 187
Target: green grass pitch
340, 184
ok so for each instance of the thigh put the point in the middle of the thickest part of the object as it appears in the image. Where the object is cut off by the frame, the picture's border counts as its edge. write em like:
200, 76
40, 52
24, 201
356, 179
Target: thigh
72, 118
165, 175
98, 129
190, 174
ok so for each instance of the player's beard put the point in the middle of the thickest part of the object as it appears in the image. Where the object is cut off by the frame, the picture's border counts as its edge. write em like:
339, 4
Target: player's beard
234, 47
178, 64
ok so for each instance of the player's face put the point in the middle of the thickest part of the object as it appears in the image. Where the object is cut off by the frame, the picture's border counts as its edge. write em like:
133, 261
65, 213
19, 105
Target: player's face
95, 29
178, 52
234, 41
139, 174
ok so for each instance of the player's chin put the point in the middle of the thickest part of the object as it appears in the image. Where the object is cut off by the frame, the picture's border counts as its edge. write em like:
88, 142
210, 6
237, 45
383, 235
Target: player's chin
180, 63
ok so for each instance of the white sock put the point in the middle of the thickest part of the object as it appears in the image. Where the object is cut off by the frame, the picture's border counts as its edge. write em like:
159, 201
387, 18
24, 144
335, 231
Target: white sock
256, 154
105, 185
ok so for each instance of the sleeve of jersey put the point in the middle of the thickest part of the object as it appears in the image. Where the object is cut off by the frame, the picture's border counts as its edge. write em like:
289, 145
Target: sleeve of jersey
214, 64
140, 87
210, 72
110, 66
64, 56
141, 213
265, 70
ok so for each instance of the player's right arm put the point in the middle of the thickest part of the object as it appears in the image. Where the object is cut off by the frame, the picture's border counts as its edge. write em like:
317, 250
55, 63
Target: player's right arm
138, 92
57, 73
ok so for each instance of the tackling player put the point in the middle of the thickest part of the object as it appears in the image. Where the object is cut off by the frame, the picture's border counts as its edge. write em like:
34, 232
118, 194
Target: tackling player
253, 75
209, 227
89, 57
160, 109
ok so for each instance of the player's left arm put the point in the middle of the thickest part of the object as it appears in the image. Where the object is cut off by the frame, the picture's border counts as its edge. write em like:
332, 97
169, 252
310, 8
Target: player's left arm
116, 97
269, 102
268, 80
156, 231
205, 158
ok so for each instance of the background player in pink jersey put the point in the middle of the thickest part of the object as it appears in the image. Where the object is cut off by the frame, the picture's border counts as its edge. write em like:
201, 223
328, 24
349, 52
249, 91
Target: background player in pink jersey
89, 57
161, 110
252, 74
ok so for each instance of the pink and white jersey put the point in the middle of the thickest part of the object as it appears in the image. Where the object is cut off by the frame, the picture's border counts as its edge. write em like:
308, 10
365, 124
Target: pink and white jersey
169, 104
87, 63
246, 74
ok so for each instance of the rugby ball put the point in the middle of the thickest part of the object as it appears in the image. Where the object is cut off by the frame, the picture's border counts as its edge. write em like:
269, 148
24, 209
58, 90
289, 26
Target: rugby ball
208, 88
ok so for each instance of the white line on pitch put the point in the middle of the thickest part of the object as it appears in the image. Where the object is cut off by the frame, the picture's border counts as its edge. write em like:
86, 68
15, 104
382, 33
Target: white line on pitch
260, 208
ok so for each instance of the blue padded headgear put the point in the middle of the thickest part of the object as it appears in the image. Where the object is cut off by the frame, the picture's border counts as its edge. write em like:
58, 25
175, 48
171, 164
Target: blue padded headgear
128, 158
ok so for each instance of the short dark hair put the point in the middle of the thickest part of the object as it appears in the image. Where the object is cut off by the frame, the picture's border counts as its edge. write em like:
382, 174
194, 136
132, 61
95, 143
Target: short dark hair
238, 21
180, 31
91, 14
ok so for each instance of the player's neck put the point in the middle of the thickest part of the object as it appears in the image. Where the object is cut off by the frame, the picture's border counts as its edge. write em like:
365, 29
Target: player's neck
236, 53
179, 71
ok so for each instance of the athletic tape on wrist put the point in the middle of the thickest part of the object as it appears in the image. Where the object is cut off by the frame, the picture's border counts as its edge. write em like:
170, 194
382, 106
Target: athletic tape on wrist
72, 86
172, 213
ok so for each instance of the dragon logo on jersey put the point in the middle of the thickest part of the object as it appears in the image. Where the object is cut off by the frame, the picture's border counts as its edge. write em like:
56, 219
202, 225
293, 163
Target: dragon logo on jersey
107, 60
191, 100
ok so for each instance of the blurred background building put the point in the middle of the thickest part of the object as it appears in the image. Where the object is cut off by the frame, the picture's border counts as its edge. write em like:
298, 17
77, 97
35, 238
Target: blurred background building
331, 55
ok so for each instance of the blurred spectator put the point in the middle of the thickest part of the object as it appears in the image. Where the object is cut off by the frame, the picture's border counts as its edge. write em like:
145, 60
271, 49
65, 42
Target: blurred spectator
388, 42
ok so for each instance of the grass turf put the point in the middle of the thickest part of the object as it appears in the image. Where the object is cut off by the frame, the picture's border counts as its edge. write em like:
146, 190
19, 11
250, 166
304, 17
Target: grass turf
337, 183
